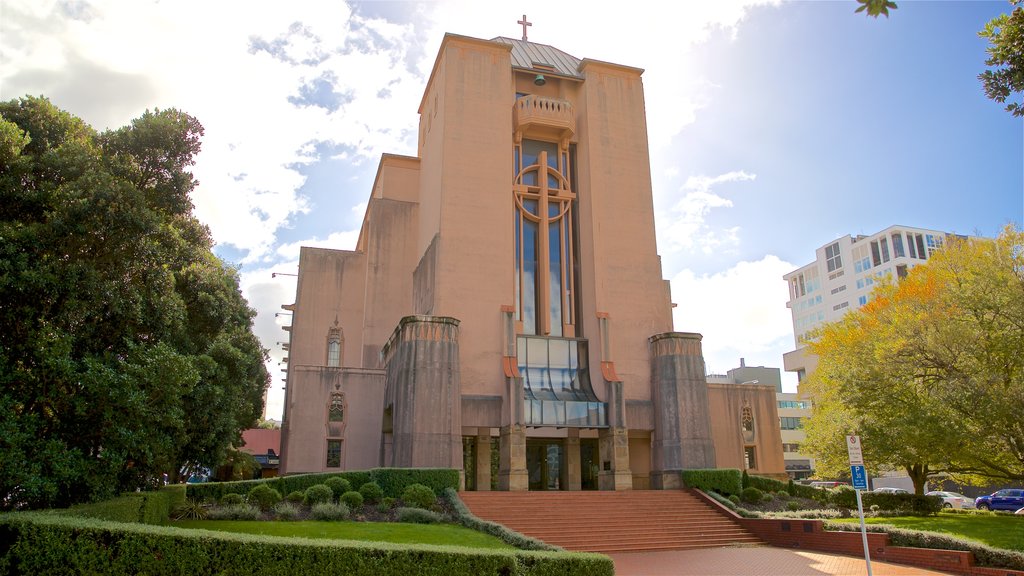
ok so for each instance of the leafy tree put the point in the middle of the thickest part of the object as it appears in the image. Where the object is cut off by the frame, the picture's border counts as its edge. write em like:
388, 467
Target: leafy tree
876, 8
930, 372
127, 349
1005, 34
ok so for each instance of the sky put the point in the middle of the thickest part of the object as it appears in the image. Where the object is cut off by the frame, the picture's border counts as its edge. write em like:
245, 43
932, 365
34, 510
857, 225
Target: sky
775, 127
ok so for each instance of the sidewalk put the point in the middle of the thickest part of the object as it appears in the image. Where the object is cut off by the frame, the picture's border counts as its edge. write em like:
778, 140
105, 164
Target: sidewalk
752, 561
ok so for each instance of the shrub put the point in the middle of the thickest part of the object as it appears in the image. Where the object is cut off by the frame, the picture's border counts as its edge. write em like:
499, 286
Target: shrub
723, 500
192, 509
791, 487
236, 512
725, 481
418, 516
734, 499
983, 555
318, 493
372, 492
767, 497
394, 481
329, 511
352, 499
286, 511
386, 503
231, 499
419, 496
745, 480
752, 495
466, 518
338, 486
264, 496
783, 495
792, 505
296, 496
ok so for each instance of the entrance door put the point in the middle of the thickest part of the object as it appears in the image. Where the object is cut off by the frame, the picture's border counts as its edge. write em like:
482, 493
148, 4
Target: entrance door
545, 463
589, 467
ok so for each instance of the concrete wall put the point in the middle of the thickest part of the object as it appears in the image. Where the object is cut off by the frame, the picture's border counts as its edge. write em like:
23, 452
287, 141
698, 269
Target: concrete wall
726, 403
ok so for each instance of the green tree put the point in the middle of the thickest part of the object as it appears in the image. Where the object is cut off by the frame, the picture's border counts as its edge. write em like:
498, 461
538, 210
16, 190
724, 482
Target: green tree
930, 372
1005, 81
876, 8
127, 349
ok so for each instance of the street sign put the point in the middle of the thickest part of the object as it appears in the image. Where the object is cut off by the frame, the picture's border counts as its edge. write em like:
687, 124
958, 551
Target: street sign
860, 478
854, 450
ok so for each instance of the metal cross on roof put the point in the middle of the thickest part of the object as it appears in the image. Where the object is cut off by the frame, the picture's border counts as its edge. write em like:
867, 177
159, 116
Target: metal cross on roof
525, 24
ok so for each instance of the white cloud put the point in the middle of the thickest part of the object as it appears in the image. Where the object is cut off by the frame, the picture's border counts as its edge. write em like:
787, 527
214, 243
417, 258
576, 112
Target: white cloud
682, 227
741, 312
345, 240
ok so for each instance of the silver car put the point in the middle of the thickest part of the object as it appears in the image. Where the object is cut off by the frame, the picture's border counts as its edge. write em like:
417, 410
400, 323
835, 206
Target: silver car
952, 499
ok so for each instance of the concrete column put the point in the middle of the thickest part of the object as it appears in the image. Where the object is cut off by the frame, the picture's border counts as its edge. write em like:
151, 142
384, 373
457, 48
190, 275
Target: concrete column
483, 459
423, 388
512, 474
682, 426
573, 477
613, 445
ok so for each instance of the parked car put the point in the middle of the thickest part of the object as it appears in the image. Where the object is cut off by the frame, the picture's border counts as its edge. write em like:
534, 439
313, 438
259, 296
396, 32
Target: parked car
952, 499
1021, 512
891, 490
1007, 499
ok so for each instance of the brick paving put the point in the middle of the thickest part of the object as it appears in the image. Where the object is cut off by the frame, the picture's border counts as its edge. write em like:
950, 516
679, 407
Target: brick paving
753, 561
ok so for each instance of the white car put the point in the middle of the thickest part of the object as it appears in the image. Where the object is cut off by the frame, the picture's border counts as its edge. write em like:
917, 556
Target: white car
952, 499
890, 490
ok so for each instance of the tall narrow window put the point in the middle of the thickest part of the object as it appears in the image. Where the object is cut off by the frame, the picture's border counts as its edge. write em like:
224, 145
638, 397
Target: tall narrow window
897, 245
336, 409
749, 458
334, 342
833, 259
544, 239
334, 453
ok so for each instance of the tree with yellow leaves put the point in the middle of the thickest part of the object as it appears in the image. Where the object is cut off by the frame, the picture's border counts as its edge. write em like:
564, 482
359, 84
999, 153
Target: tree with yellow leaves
930, 372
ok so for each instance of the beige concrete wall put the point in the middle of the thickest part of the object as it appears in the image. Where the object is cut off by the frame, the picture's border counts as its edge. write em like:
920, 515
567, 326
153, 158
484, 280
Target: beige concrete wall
619, 262
474, 274
330, 287
360, 432
725, 403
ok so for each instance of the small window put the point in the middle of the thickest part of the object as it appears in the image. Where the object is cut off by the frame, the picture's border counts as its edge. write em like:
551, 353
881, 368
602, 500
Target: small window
833, 258
748, 420
749, 459
334, 453
336, 411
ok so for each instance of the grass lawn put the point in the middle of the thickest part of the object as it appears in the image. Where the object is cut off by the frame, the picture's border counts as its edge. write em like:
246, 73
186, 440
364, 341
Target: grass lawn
441, 534
999, 531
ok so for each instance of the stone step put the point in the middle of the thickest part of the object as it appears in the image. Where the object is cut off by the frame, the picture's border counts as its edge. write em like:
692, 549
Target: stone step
612, 521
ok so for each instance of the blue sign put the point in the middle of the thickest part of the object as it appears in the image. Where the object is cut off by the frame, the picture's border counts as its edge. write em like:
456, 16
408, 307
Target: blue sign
860, 478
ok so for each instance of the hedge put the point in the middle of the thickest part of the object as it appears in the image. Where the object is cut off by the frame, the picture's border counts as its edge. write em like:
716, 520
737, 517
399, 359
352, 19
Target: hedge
466, 518
47, 543
722, 480
766, 484
983, 555
911, 503
145, 507
392, 481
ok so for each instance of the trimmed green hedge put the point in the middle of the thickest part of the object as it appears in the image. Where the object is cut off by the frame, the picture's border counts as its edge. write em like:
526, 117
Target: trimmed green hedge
984, 555
722, 480
47, 543
145, 507
911, 503
508, 536
392, 481
766, 484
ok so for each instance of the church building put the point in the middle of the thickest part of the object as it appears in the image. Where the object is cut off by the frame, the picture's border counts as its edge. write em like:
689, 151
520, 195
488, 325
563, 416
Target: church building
504, 311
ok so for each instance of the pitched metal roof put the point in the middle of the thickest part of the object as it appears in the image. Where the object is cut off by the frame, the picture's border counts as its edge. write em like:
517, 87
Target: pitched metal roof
526, 54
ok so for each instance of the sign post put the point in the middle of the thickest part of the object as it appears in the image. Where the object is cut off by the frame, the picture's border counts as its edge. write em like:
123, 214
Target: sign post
860, 482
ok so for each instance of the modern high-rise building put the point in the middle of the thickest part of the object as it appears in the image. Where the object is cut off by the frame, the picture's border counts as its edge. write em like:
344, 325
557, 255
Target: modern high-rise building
504, 311
842, 276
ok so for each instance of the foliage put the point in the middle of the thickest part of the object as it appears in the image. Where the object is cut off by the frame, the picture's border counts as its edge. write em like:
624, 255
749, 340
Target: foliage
909, 503
146, 507
127, 350
296, 496
792, 505
419, 496
52, 544
984, 555
752, 495
386, 504
235, 512
418, 516
929, 373
263, 496
239, 465
392, 481
466, 518
318, 493
734, 498
352, 499
722, 480
191, 509
231, 499
876, 8
285, 510
338, 486
1005, 34
727, 502
329, 511
371, 492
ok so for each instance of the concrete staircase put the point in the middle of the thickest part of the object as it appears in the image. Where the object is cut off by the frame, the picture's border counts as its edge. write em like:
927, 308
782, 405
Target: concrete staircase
624, 521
